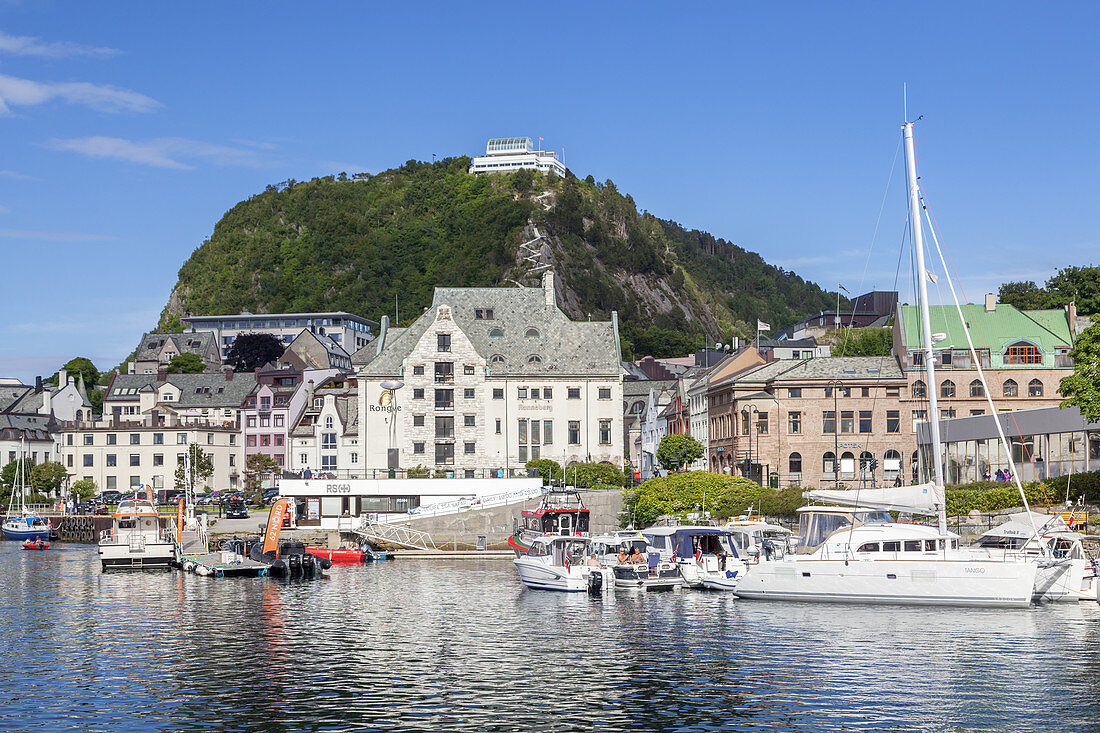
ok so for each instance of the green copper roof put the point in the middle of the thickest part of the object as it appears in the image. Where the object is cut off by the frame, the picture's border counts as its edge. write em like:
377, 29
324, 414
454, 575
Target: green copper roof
995, 330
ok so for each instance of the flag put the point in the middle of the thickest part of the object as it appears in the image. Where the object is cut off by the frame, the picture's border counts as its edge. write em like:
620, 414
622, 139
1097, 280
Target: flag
568, 566
761, 326
843, 288
698, 554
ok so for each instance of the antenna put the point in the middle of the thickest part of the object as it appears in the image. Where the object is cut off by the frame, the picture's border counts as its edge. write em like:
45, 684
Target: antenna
905, 101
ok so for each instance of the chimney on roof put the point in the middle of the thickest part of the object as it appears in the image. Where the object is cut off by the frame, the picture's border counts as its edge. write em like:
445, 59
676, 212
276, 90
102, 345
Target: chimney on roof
47, 403
162, 374
1072, 315
990, 303
37, 385
229, 374
309, 394
548, 287
62, 379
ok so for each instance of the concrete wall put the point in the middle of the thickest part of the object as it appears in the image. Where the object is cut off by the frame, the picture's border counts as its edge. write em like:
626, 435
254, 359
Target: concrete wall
460, 531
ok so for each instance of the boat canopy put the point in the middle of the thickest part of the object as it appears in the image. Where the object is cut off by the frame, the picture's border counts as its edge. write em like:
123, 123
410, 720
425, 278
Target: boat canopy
917, 499
1019, 525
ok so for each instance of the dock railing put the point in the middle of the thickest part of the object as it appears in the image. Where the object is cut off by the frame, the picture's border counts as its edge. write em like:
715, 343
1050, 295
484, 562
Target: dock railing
460, 505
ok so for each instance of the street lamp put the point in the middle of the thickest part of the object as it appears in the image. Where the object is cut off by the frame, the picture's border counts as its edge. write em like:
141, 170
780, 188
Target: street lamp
748, 411
832, 385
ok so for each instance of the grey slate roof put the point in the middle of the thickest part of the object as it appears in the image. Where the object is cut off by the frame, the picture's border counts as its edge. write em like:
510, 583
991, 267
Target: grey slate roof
825, 368
33, 427
11, 394
566, 347
186, 343
210, 390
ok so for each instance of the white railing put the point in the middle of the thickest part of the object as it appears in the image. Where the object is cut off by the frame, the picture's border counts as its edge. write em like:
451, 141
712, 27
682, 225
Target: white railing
460, 505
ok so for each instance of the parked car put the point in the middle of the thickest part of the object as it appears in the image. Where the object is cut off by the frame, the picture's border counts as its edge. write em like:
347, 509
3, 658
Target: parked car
236, 509
270, 495
205, 499
111, 497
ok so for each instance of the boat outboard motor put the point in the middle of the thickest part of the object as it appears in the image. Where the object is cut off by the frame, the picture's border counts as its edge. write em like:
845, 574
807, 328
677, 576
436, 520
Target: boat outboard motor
294, 564
308, 564
595, 583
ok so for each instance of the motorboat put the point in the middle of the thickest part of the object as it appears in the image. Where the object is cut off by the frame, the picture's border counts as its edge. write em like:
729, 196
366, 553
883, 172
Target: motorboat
649, 573
563, 563
36, 544
350, 556
858, 554
706, 556
287, 559
560, 511
755, 538
135, 539
1064, 572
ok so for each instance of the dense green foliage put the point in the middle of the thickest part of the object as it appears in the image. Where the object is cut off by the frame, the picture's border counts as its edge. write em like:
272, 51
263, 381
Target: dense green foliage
77, 367
1079, 284
191, 474
11, 475
357, 245
677, 451
863, 342
250, 351
85, 488
186, 363
722, 496
549, 470
258, 466
1082, 388
47, 478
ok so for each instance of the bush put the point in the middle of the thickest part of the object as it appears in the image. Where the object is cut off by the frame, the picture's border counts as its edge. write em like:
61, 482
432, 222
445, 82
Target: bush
1081, 484
722, 496
85, 488
549, 470
593, 475
994, 497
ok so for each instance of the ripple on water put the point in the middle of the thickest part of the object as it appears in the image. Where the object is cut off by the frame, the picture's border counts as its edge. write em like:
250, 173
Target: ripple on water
461, 646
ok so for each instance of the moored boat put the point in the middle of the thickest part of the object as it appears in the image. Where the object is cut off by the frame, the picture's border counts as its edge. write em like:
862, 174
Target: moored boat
562, 563
560, 512
36, 544
21, 523
628, 556
705, 556
135, 539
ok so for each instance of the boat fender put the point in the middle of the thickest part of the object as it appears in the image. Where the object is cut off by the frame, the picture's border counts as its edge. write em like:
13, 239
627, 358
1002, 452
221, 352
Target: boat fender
188, 566
202, 570
324, 562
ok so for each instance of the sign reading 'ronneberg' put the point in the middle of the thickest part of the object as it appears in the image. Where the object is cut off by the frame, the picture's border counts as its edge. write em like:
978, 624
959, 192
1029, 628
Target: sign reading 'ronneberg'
385, 403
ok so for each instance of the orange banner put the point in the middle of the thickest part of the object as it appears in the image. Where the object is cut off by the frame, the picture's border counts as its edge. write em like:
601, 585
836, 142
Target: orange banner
179, 522
275, 524
149, 493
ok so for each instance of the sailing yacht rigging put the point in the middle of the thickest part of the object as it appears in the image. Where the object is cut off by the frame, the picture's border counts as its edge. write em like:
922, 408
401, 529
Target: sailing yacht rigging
22, 523
856, 553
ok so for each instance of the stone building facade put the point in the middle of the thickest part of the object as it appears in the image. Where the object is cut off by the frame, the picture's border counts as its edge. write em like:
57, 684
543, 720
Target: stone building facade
488, 379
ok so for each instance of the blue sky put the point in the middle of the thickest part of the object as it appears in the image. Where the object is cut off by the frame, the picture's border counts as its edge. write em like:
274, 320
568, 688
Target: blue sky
129, 129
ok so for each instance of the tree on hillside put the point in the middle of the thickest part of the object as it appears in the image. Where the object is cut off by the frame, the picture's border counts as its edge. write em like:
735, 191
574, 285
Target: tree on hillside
250, 351
678, 451
79, 366
186, 364
256, 468
48, 478
190, 474
1025, 295
95, 399
11, 474
1082, 388
1080, 285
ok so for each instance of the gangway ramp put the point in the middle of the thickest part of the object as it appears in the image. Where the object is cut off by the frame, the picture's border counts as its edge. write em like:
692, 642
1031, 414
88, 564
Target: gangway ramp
396, 534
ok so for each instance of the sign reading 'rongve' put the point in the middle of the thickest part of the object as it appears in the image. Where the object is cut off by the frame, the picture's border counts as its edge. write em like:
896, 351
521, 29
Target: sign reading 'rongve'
275, 524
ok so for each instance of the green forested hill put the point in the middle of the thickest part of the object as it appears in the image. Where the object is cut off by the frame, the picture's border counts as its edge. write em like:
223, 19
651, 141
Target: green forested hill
336, 244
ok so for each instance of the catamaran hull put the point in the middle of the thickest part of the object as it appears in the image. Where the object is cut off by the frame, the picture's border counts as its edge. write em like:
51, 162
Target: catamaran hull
913, 583
1067, 581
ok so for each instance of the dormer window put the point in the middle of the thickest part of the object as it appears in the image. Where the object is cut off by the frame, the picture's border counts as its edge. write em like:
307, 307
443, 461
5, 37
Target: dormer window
1022, 352
531, 333
534, 360
496, 360
496, 333
483, 314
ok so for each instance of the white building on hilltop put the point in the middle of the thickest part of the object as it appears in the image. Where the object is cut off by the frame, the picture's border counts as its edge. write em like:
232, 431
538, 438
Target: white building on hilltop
504, 154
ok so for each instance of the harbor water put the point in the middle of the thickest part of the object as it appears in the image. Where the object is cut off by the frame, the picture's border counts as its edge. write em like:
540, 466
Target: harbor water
462, 646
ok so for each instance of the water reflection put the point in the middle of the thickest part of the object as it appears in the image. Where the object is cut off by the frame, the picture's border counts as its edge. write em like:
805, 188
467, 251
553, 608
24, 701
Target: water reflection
413, 645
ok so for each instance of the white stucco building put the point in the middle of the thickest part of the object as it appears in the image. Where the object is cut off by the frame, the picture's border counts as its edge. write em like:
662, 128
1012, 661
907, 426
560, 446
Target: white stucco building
488, 379
505, 154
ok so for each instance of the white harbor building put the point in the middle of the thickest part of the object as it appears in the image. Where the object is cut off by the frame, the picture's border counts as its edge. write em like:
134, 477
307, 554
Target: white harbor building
512, 153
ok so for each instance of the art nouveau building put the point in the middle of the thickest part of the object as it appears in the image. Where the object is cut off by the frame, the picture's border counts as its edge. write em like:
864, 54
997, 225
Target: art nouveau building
488, 379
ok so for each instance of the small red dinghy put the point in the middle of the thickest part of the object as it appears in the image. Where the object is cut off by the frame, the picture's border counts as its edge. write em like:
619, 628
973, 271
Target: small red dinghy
36, 545
345, 557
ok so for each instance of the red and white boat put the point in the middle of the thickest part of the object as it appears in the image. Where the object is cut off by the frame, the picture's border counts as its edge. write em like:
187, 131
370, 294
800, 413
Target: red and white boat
561, 512
36, 544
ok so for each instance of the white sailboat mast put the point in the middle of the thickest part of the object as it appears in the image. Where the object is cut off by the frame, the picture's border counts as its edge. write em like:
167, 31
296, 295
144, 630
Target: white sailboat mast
926, 323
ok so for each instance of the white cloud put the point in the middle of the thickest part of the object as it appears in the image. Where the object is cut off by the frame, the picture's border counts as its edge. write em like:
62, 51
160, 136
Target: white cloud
28, 234
19, 176
16, 92
33, 46
161, 152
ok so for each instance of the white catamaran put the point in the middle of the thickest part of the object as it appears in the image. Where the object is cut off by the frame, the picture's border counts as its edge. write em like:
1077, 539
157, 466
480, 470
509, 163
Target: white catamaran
855, 552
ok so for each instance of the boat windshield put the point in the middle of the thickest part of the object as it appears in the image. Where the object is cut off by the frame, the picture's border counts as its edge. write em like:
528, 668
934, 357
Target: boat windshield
873, 517
814, 529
